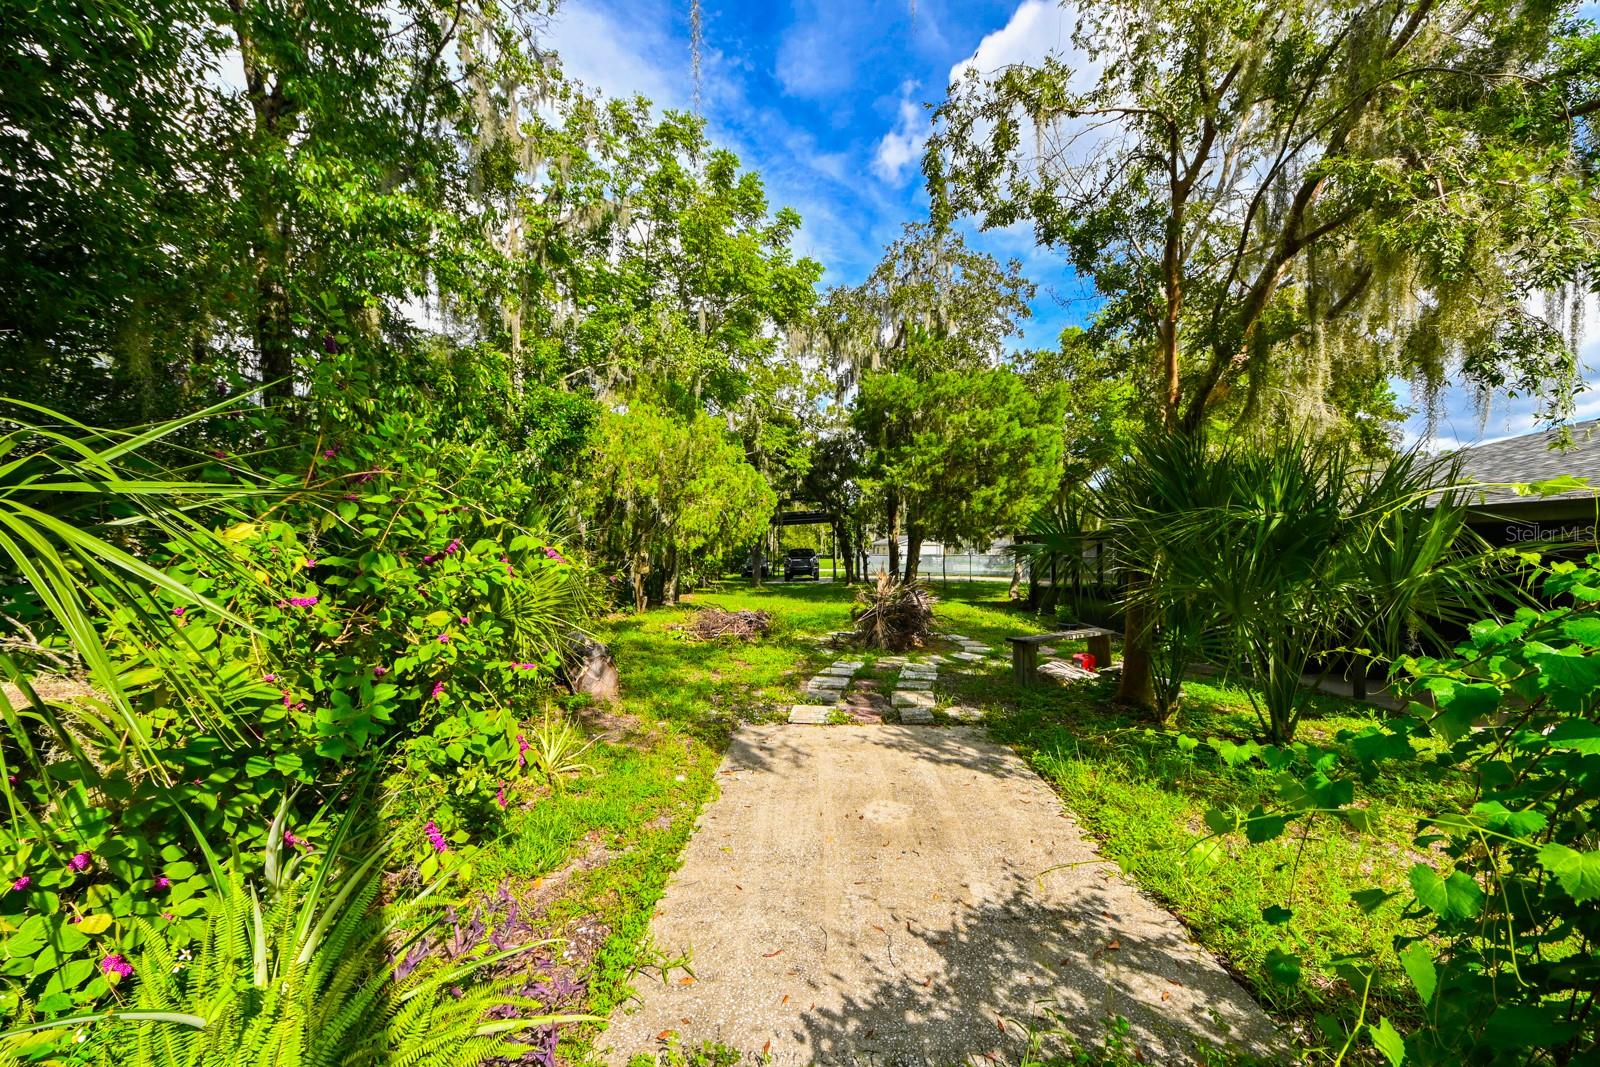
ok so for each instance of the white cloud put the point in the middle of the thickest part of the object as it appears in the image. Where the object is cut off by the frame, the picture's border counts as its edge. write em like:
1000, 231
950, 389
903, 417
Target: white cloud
901, 147
619, 58
1036, 29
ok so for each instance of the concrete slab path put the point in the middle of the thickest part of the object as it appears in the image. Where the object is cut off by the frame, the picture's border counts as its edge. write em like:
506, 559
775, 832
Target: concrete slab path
913, 895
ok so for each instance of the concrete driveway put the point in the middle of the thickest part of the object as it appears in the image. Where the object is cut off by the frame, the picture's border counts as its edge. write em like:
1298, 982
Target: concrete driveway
914, 895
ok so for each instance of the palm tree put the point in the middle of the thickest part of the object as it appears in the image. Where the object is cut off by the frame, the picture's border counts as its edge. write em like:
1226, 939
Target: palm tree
75, 502
1284, 552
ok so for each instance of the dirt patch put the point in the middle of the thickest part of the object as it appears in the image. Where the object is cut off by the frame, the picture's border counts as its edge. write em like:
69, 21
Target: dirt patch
604, 723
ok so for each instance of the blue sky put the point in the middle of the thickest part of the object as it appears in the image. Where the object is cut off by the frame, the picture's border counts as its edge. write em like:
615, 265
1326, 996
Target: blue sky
824, 98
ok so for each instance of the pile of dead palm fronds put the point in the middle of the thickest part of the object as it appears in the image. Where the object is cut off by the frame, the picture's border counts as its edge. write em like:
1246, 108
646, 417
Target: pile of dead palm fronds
893, 615
711, 623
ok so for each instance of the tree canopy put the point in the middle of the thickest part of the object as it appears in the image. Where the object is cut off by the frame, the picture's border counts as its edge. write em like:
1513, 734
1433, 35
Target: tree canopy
1284, 206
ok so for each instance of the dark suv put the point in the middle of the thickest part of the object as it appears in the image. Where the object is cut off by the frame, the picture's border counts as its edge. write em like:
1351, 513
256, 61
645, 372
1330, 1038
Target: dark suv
801, 563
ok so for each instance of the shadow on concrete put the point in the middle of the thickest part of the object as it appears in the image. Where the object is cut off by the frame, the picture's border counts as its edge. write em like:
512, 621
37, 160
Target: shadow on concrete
767, 748
1018, 978
915, 895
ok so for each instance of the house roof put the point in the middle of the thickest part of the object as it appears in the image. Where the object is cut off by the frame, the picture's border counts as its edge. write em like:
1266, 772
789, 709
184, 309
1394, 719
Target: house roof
1530, 458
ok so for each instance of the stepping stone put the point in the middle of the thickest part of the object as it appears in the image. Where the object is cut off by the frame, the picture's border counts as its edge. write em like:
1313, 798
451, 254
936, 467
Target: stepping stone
906, 698
962, 713
852, 664
958, 637
915, 685
820, 693
970, 657
935, 658
837, 672
810, 714
891, 661
912, 672
916, 716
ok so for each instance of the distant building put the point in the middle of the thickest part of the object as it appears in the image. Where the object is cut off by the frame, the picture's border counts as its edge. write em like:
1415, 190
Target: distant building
1503, 517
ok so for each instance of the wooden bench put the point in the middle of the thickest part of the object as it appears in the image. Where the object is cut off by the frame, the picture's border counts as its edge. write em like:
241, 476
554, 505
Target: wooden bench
1025, 650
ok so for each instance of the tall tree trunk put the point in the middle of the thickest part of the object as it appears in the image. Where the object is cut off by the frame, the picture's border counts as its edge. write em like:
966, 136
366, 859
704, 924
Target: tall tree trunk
637, 569
669, 585
1137, 686
913, 551
1015, 591
894, 533
275, 117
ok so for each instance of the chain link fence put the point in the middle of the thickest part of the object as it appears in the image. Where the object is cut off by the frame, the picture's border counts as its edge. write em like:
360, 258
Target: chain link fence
956, 566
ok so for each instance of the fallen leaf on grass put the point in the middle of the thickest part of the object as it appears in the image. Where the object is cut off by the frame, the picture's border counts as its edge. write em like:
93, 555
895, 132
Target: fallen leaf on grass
766, 1050
1114, 946
1166, 994
785, 1000
687, 979
769, 955
664, 1035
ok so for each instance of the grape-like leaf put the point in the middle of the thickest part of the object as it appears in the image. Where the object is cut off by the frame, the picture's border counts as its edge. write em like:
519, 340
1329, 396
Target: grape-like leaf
1577, 872
1455, 897
1389, 1042
1283, 967
1418, 964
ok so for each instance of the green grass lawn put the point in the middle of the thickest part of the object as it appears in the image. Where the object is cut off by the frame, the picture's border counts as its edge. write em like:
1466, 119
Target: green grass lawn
1135, 789
612, 837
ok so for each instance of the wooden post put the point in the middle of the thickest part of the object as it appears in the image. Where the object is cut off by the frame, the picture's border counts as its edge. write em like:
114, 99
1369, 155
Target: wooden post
1100, 649
1024, 661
